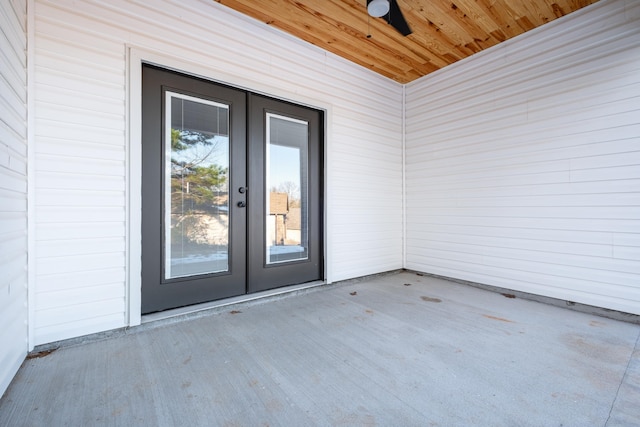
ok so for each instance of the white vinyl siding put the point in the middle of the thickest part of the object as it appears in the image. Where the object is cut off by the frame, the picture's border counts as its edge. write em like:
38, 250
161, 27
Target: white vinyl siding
81, 142
523, 162
13, 188
522, 167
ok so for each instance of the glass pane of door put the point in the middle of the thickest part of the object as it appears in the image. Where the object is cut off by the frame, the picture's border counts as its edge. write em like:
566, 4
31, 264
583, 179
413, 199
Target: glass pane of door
196, 187
286, 186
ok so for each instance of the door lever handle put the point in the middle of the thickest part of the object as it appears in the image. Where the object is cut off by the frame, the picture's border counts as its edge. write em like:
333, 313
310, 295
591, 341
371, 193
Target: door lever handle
242, 204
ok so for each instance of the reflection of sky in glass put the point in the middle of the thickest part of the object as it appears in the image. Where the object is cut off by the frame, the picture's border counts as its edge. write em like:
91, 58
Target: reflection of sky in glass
285, 165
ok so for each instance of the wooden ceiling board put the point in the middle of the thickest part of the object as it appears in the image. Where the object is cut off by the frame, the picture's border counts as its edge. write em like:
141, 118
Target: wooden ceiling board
444, 31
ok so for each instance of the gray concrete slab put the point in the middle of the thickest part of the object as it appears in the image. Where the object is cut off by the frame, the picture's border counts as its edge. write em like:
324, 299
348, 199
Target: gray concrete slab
394, 350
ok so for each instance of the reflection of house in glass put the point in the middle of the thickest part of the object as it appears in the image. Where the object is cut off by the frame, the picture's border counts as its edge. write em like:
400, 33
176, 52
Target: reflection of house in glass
293, 235
284, 223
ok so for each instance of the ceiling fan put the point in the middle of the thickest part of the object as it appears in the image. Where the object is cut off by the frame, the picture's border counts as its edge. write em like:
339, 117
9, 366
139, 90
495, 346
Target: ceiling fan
390, 11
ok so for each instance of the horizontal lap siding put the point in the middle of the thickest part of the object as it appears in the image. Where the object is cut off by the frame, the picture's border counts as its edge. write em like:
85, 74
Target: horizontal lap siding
80, 179
81, 150
523, 162
13, 188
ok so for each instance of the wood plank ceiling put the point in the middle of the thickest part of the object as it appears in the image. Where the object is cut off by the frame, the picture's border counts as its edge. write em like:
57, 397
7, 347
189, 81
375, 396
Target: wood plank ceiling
444, 31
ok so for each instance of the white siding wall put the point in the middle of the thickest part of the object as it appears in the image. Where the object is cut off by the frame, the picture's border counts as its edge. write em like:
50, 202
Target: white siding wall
81, 137
13, 188
523, 162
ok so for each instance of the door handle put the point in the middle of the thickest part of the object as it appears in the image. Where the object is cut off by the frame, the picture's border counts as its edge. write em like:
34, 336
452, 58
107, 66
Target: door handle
241, 204
243, 190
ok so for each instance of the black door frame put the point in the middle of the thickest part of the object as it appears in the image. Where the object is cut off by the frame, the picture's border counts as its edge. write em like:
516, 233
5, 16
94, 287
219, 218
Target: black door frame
244, 276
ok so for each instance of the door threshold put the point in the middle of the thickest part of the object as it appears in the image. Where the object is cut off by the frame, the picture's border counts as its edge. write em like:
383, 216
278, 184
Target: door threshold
191, 310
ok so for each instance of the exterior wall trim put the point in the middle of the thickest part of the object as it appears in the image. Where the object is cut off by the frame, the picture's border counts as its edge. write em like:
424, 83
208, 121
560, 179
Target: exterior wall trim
31, 175
136, 56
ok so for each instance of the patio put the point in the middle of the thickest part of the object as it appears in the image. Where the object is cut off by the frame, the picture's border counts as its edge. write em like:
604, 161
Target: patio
393, 350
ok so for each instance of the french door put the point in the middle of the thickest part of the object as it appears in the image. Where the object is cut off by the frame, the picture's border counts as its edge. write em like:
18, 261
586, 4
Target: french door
231, 191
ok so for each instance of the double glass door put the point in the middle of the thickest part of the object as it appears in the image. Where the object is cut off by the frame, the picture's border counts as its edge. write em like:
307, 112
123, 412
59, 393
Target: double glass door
231, 185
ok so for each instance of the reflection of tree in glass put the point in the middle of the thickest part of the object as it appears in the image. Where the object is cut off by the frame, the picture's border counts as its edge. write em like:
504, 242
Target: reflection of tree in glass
194, 178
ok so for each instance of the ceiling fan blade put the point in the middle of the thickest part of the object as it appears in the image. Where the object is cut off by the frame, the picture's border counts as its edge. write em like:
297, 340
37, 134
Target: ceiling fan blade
396, 19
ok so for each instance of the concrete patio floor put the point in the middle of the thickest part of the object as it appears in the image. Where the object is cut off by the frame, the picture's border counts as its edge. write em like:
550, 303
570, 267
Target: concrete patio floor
394, 350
